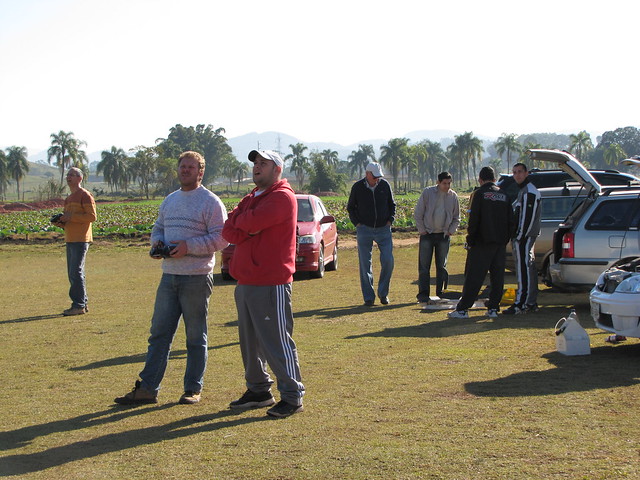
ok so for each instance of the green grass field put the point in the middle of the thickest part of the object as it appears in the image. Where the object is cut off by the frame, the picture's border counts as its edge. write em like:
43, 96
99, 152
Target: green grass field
392, 392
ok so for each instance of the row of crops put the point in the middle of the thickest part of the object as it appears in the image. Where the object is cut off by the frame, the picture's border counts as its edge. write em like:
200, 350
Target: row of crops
133, 218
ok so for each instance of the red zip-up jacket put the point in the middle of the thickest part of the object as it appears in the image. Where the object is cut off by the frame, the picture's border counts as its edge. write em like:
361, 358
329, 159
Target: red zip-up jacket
263, 229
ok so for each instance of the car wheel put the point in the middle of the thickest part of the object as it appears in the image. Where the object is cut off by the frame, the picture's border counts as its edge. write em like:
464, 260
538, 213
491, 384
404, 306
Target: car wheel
546, 274
319, 273
333, 264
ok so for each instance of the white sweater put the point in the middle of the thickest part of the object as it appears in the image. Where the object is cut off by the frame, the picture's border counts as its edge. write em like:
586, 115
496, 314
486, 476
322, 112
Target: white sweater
196, 216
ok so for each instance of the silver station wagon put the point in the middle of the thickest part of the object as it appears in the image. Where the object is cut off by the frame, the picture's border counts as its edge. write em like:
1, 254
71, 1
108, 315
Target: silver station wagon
560, 194
600, 231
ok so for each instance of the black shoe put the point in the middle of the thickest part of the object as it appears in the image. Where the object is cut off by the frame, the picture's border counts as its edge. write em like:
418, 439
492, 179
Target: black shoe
369, 303
384, 300
284, 409
514, 310
253, 400
531, 308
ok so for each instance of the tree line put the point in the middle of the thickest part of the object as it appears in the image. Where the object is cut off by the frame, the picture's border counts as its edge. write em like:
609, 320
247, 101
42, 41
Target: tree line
412, 165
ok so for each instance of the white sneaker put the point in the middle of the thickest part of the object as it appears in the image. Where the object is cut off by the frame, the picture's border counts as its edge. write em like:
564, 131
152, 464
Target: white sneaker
492, 313
458, 314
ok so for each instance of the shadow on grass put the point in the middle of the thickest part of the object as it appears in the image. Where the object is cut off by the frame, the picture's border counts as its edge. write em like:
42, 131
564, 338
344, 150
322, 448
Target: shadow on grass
337, 312
607, 367
140, 358
21, 464
476, 323
31, 319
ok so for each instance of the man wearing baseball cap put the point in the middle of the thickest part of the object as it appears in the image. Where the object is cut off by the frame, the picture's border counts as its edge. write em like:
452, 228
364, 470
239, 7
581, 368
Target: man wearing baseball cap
263, 229
372, 210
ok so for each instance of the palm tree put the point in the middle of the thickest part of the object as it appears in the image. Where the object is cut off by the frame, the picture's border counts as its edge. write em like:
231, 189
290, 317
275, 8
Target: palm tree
415, 161
437, 159
331, 157
580, 144
144, 167
469, 150
613, 153
67, 151
298, 161
507, 143
17, 164
358, 159
393, 156
241, 170
4, 174
113, 165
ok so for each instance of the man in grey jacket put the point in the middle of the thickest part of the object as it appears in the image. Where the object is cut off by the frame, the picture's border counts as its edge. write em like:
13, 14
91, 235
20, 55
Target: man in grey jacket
437, 216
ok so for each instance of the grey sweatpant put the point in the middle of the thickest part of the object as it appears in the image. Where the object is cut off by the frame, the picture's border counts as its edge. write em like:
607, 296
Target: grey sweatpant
265, 327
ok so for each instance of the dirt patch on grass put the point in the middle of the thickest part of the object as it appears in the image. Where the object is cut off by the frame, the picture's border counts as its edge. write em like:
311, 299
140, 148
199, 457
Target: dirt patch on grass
24, 207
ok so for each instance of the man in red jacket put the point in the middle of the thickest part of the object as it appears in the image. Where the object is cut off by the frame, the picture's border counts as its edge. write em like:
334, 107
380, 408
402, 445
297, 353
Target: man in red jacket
263, 229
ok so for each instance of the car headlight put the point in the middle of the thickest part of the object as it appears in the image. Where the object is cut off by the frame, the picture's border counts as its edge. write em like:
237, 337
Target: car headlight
307, 239
629, 285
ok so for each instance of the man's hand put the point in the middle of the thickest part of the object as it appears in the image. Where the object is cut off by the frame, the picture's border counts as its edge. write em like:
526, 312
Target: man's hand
181, 249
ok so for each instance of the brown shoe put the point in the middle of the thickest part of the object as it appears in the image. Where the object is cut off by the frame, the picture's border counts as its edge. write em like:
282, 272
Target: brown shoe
138, 396
74, 311
189, 397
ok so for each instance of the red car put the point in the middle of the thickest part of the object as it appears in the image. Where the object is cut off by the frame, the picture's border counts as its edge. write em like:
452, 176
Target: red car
317, 248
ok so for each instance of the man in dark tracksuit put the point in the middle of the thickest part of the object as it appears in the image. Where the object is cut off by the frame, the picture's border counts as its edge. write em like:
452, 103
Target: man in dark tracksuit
527, 211
372, 210
490, 227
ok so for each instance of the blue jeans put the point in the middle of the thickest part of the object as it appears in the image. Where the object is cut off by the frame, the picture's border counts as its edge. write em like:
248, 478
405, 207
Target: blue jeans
186, 295
76, 254
382, 236
430, 243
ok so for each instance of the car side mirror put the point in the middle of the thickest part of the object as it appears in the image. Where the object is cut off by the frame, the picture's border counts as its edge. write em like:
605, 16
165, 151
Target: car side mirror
328, 219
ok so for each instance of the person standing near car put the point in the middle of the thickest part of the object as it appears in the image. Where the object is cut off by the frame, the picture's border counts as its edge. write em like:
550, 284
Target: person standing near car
263, 229
79, 214
437, 216
527, 212
372, 210
490, 228
189, 224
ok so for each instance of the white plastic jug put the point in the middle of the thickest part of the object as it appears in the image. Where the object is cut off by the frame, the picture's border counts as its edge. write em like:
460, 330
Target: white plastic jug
571, 338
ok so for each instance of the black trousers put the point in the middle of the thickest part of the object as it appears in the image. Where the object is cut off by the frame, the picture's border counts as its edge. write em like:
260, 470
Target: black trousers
480, 260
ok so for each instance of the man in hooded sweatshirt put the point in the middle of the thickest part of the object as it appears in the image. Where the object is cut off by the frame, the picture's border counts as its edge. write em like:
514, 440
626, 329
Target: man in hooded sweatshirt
263, 229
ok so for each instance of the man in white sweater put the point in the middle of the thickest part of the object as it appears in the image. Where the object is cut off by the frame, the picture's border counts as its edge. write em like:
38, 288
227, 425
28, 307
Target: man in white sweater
189, 224
437, 216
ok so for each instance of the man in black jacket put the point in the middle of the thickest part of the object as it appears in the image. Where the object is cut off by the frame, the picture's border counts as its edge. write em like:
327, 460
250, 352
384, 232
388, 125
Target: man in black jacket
491, 225
372, 210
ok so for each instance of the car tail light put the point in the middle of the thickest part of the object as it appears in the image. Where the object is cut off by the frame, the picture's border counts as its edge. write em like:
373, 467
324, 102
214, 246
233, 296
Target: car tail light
568, 245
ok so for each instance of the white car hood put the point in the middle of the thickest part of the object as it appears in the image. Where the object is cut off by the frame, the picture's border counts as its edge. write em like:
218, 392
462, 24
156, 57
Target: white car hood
570, 164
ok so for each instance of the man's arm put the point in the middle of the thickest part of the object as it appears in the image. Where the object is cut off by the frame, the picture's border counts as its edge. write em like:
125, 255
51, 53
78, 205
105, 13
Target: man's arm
392, 206
352, 206
215, 215
455, 221
273, 209
418, 213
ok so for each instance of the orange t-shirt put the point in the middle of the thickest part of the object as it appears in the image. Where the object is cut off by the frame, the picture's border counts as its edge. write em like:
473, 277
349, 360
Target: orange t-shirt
82, 208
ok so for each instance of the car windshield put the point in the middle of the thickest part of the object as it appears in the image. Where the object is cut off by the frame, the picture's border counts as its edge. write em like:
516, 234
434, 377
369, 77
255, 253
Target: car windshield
305, 212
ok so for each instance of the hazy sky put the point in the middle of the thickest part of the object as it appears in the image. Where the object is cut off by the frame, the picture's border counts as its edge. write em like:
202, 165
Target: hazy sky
122, 72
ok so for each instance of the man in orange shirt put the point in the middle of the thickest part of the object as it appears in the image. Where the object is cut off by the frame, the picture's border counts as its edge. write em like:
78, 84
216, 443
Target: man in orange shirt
79, 213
